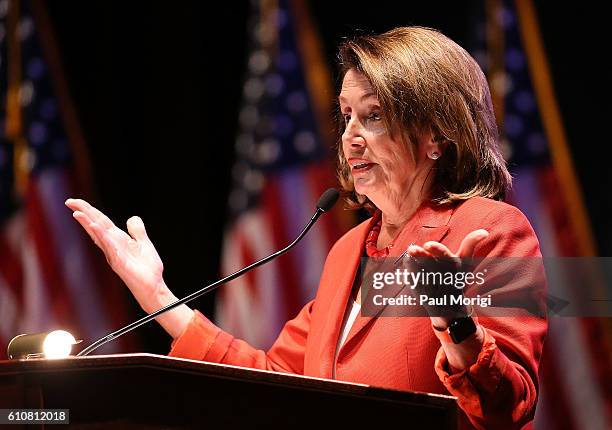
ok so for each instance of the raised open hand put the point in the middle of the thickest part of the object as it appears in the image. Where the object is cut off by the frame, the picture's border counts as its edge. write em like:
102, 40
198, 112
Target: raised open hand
132, 256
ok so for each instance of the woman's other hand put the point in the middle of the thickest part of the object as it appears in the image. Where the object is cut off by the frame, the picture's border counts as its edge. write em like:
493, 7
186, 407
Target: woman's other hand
463, 355
134, 258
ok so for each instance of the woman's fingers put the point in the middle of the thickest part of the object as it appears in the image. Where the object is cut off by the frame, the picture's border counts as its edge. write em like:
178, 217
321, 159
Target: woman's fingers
469, 242
436, 248
94, 214
441, 251
417, 251
99, 235
112, 252
85, 223
102, 237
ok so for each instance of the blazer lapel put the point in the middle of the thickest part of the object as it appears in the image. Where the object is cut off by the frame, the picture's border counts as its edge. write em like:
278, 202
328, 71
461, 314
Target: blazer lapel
343, 277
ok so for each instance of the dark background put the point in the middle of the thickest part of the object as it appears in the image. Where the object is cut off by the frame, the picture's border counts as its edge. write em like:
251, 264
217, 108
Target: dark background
157, 87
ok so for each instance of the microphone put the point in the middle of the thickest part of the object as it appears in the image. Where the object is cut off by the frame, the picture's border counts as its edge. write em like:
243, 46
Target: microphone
327, 200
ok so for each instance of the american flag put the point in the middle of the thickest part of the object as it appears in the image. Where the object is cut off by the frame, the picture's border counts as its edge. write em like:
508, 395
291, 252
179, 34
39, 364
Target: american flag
283, 164
575, 370
48, 278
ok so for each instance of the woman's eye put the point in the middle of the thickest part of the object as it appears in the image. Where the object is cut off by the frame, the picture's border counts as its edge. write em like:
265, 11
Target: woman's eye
347, 118
374, 116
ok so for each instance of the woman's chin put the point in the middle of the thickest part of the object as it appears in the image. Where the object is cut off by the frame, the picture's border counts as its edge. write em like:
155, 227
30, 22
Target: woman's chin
364, 186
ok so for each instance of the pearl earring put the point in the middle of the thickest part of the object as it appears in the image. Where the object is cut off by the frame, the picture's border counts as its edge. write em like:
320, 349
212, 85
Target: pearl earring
434, 155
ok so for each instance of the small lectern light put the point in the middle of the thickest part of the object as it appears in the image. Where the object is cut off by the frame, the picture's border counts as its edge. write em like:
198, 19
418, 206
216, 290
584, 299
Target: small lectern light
54, 344
58, 344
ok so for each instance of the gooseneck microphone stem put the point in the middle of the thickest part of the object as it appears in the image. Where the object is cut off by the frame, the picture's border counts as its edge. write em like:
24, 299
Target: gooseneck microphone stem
327, 200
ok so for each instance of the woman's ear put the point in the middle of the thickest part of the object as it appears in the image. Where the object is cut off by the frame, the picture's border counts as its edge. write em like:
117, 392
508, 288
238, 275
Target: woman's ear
435, 146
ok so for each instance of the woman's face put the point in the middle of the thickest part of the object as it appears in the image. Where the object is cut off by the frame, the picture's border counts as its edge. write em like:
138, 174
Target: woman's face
379, 162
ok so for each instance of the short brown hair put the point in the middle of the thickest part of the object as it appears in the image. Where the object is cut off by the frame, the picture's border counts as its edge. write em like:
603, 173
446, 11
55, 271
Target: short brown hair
425, 81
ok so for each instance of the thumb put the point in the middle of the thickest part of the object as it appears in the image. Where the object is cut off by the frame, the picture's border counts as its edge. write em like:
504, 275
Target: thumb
136, 229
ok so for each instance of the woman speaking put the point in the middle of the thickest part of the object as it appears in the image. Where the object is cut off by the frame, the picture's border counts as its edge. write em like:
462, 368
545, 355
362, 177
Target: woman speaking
419, 150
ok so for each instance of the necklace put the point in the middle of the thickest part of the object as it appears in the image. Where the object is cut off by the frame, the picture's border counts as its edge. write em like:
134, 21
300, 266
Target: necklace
372, 238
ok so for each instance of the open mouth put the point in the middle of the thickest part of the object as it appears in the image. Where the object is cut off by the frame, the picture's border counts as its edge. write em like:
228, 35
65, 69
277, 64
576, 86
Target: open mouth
362, 167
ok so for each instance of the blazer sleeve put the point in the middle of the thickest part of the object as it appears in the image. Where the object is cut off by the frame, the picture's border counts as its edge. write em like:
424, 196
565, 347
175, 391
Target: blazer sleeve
202, 340
500, 390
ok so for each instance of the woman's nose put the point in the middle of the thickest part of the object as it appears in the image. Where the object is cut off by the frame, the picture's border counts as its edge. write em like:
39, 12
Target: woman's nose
352, 135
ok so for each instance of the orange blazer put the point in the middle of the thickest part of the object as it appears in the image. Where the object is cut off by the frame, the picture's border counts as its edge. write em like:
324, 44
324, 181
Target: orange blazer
499, 391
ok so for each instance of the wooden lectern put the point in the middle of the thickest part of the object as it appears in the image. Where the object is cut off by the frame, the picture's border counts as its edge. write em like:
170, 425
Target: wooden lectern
145, 391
